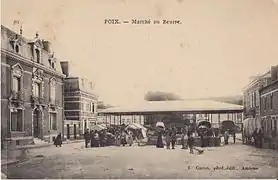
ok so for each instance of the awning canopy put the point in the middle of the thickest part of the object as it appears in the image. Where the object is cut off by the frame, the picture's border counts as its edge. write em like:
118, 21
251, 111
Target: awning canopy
187, 106
98, 127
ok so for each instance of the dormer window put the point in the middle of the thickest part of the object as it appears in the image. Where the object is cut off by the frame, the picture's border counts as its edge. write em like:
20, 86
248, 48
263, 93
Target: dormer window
16, 43
52, 61
38, 55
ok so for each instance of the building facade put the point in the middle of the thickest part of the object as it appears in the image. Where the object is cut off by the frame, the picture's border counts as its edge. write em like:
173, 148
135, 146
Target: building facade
251, 96
80, 104
269, 104
31, 90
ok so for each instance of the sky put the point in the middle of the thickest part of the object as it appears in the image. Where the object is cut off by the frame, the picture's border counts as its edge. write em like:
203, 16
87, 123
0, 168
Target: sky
215, 50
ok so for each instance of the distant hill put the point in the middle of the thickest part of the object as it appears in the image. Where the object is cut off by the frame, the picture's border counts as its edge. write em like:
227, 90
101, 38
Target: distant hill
161, 96
166, 96
238, 99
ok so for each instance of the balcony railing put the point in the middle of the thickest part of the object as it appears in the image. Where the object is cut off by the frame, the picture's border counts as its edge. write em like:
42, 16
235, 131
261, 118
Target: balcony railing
38, 100
55, 102
17, 95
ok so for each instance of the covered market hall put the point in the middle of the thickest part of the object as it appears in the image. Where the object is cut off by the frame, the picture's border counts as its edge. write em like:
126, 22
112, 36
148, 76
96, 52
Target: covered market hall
177, 113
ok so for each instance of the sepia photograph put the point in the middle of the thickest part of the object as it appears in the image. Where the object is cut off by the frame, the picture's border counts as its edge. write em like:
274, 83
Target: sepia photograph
139, 89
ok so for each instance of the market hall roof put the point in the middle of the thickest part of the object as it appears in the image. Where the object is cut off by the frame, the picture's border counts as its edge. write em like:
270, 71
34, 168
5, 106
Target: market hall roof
194, 106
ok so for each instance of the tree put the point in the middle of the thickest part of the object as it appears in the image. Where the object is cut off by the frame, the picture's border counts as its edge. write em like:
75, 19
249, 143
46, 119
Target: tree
161, 96
102, 105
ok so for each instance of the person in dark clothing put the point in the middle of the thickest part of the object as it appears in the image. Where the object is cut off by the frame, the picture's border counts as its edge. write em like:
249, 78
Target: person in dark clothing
183, 140
58, 140
173, 138
202, 140
159, 142
93, 139
87, 138
123, 139
260, 138
101, 139
190, 143
97, 138
234, 136
226, 137
255, 137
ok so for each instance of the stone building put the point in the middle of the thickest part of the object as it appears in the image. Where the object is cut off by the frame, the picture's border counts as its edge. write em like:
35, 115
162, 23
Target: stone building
31, 90
269, 103
251, 96
80, 104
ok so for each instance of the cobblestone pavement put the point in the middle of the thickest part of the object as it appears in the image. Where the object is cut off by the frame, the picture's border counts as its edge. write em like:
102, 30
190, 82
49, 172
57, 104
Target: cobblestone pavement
75, 161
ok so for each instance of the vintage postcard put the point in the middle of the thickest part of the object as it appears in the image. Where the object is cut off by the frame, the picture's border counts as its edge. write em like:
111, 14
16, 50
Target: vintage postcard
139, 89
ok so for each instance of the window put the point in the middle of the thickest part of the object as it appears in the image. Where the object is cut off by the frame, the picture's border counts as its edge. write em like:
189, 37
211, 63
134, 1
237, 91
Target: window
265, 103
52, 92
254, 99
88, 107
93, 108
16, 120
16, 84
37, 89
53, 121
250, 99
38, 55
53, 65
271, 101
257, 98
82, 106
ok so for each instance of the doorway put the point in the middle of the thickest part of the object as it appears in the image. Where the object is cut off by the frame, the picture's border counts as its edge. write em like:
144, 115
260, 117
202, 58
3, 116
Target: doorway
68, 131
74, 131
36, 123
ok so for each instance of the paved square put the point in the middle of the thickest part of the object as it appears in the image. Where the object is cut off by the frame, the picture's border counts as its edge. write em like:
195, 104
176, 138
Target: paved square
74, 161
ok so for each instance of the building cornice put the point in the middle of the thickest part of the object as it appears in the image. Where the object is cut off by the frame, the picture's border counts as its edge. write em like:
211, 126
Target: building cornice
27, 61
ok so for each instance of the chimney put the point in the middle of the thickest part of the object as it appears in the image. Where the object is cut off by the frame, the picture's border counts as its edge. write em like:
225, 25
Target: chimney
274, 73
65, 68
47, 46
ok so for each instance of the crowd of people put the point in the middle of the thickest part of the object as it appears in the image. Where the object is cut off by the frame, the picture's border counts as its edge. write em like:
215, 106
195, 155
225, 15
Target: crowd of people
116, 135
258, 137
124, 136
171, 139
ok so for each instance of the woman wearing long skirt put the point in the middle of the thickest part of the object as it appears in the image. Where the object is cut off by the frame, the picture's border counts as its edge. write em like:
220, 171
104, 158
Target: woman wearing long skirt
123, 139
168, 140
159, 143
93, 139
130, 139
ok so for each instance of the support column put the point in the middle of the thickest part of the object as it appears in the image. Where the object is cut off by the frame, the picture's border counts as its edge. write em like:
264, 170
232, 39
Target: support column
114, 119
120, 119
218, 119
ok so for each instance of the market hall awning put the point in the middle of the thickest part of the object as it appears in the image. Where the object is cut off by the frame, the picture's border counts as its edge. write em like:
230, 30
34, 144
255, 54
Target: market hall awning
186, 106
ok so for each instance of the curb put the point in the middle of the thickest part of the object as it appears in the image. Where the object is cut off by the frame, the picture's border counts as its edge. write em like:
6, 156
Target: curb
10, 163
51, 144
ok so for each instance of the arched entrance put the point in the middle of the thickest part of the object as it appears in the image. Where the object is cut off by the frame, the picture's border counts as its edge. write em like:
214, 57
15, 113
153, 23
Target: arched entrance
37, 123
